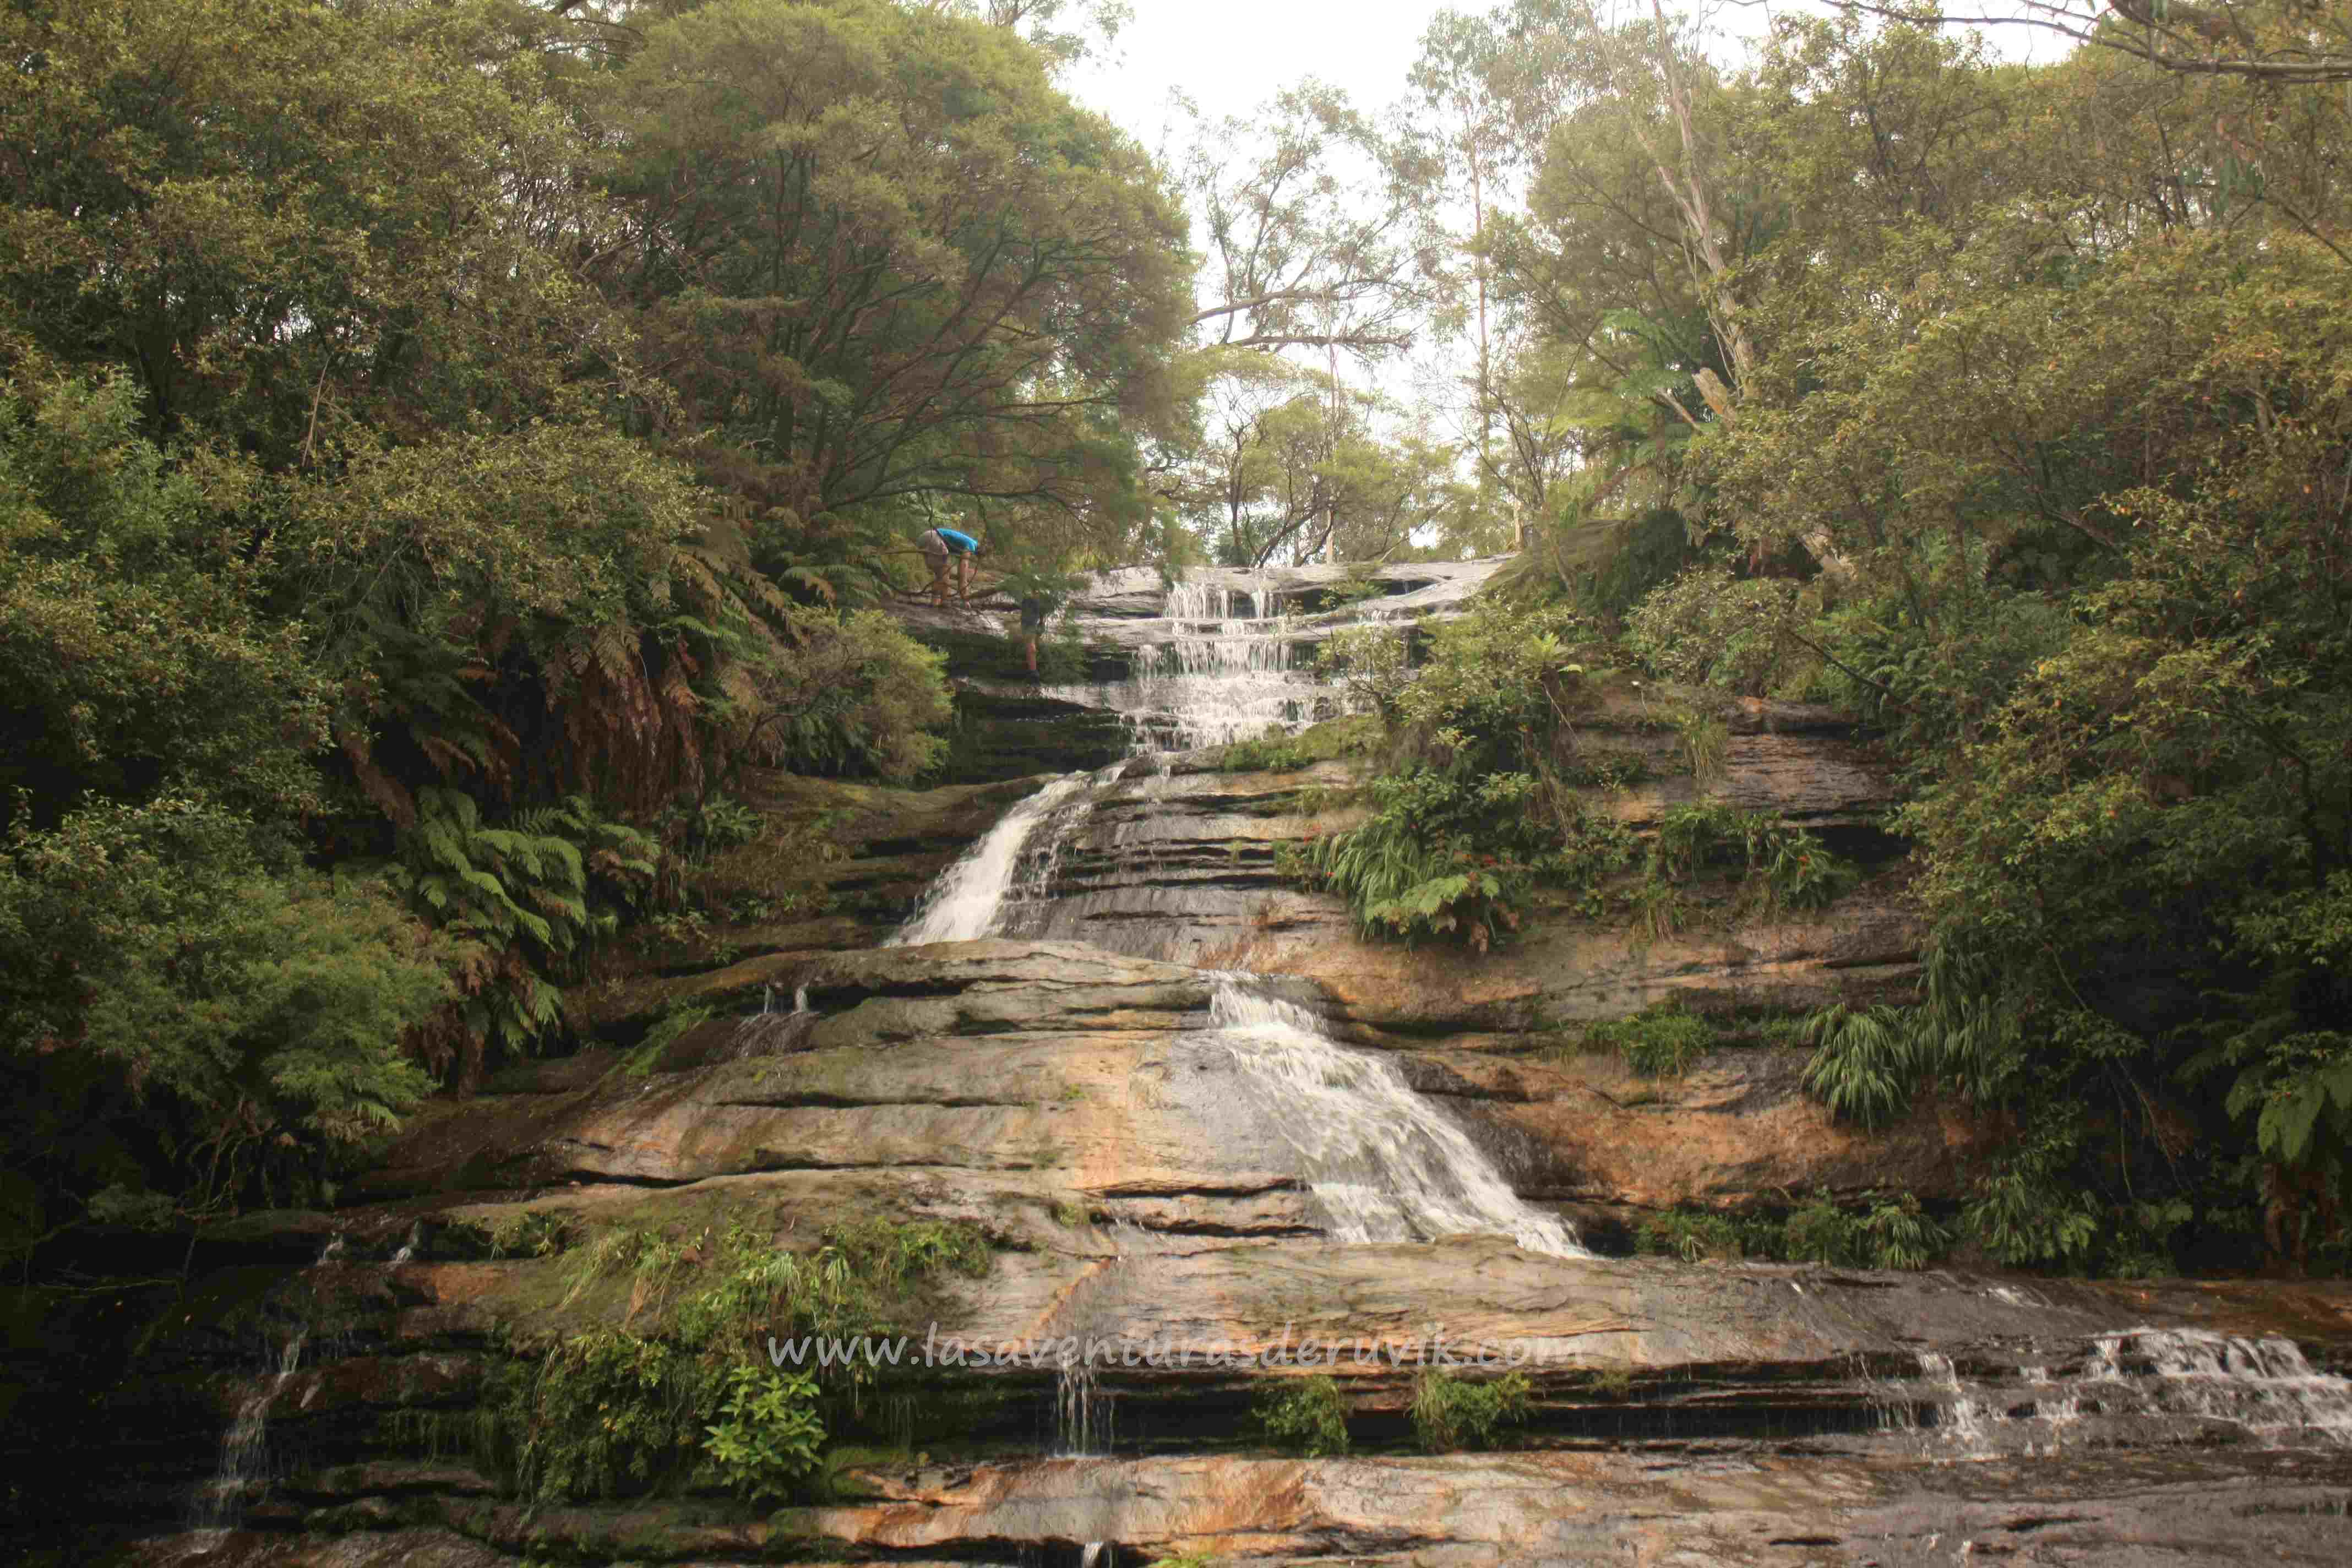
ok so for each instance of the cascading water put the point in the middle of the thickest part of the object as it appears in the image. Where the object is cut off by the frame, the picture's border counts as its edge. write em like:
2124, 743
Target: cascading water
1384, 1164
2136, 1386
968, 901
246, 1444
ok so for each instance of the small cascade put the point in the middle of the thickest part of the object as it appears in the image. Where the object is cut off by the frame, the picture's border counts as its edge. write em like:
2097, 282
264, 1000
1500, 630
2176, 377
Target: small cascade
1385, 1163
2265, 1386
1231, 669
1083, 1425
767, 1035
2136, 1387
1963, 1413
408, 1246
964, 903
244, 1447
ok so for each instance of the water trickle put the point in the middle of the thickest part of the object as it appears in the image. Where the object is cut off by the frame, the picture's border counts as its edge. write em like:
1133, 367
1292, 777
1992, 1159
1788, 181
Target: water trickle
220, 1504
1083, 1426
1385, 1164
800, 999
408, 1246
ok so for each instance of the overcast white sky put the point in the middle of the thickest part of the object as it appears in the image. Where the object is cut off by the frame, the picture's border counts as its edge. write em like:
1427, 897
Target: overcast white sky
1231, 56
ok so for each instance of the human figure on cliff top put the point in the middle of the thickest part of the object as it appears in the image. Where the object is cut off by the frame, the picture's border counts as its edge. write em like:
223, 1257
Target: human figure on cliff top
939, 547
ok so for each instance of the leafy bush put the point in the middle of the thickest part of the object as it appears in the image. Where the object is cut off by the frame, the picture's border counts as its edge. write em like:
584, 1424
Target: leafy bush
1881, 1232
1707, 628
615, 1410
1448, 851
529, 900
237, 1024
1309, 1419
1658, 1042
768, 1434
1450, 1412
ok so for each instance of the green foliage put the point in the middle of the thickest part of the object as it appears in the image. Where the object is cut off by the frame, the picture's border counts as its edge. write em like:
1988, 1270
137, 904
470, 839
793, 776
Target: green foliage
1658, 1042
665, 1032
1880, 1232
240, 1022
604, 1413
615, 1411
1449, 851
1270, 754
1309, 1418
1450, 1412
528, 901
768, 1433
1710, 628
1707, 745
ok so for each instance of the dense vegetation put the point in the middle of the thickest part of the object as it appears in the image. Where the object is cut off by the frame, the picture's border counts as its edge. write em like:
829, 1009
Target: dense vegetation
440, 443
2004, 406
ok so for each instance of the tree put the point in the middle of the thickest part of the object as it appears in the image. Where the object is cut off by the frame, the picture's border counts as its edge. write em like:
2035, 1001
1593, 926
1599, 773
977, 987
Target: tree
2278, 42
1309, 243
878, 258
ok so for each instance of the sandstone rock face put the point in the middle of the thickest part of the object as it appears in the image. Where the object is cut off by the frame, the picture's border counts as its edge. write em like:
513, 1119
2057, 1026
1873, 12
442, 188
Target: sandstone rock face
1157, 1222
1191, 1212
1065, 1070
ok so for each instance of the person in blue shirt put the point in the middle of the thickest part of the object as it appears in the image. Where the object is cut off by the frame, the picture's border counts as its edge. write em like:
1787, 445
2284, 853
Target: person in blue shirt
941, 545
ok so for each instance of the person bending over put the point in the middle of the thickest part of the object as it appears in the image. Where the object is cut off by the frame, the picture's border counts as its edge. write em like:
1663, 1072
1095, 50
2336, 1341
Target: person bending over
941, 547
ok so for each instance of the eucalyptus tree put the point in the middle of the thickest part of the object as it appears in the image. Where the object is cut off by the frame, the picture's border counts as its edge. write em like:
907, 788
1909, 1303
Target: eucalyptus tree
878, 259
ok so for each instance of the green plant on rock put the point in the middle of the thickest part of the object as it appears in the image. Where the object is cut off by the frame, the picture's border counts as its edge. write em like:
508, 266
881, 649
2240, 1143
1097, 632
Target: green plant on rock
611, 1411
1706, 746
1308, 1419
1882, 1231
1450, 1412
1696, 1237
768, 1435
602, 1414
1658, 1042
530, 900
666, 1032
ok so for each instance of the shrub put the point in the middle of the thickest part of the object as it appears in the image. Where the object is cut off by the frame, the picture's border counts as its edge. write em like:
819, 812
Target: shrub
768, 1433
1450, 1412
236, 1025
1309, 1419
1709, 628
612, 1411
1659, 1042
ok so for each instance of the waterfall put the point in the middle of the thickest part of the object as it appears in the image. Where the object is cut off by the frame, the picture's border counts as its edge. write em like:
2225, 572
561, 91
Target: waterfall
965, 902
2133, 1386
1384, 1164
244, 1446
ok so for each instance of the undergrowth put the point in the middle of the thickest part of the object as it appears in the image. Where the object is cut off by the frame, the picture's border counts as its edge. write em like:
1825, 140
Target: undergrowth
1451, 1411
1661, 1041
1880, 1232
684, 1390
1309, 1418
1476, 806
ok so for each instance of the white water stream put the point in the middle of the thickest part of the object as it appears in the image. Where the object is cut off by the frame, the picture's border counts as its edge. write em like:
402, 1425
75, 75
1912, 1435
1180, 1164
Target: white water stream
1385, 1163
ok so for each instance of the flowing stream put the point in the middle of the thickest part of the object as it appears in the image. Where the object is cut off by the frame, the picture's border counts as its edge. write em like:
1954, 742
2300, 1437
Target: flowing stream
1384, 1164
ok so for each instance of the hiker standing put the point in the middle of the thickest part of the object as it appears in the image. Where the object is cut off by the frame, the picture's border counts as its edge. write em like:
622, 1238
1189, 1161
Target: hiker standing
1034, 607
941, 545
